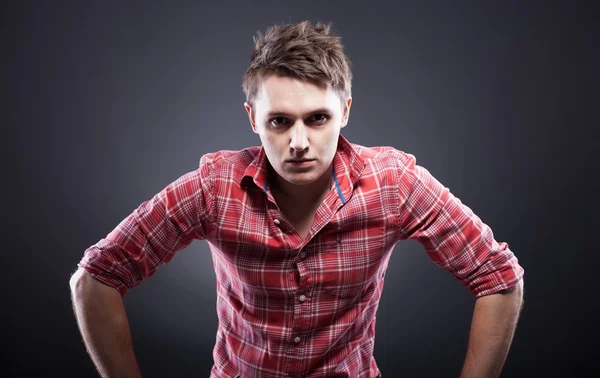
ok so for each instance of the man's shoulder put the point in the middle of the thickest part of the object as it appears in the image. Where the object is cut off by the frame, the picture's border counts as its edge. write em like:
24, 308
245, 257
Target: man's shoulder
241, 158
383, 154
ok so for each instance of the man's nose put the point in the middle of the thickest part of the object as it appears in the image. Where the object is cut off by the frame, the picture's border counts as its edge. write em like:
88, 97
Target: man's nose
299, 137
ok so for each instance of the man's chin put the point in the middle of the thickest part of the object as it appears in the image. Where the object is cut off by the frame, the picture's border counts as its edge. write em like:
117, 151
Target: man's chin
300, 180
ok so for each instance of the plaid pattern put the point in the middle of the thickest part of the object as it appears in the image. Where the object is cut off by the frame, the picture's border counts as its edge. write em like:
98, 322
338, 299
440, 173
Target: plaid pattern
293, 307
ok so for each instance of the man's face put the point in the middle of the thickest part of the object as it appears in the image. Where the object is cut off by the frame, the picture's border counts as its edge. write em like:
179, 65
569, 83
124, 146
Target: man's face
298, 124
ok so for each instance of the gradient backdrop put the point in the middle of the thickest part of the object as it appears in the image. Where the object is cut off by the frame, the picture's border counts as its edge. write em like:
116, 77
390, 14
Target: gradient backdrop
105, 104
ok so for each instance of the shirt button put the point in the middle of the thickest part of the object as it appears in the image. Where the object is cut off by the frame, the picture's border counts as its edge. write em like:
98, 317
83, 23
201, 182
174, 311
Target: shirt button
297, 339
302, 298
276, 221
302, 254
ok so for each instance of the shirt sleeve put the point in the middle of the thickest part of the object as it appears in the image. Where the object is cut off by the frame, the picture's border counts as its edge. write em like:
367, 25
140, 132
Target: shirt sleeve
154, 231
453, 236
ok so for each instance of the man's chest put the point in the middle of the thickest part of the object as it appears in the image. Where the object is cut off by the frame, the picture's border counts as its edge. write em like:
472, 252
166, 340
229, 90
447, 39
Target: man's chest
334, 251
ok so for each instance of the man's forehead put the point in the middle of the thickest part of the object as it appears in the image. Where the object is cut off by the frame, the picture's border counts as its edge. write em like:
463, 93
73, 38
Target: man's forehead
277, 86
292, 95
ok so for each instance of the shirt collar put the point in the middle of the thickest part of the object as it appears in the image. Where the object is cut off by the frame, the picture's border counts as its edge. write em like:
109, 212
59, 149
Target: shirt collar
347, 168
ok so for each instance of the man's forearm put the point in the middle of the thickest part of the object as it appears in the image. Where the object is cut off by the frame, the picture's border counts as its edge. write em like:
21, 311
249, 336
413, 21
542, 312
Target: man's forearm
104, 326
492, 329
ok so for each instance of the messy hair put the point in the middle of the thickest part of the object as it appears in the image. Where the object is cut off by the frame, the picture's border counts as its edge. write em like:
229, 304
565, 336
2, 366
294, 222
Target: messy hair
302, 51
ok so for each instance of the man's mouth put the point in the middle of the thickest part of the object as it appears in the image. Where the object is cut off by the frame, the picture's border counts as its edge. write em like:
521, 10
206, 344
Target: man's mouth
300, 163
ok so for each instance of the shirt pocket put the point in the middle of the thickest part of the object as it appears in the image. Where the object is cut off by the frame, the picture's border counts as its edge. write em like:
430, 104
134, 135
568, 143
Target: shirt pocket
350, 262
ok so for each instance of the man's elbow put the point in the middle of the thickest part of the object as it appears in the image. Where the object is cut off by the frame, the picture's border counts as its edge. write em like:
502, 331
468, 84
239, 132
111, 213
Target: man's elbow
516, 291
518, 288
76, 279
81, 281
84, 285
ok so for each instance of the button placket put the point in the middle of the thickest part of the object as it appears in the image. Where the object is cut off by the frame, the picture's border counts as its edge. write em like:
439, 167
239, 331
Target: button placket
302, 314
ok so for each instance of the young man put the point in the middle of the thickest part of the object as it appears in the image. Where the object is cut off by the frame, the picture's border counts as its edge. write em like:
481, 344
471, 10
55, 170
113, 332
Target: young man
301, 230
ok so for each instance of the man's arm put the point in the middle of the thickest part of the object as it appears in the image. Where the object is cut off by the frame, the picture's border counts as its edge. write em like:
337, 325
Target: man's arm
104, 326
458, 240
492, 329
130, 254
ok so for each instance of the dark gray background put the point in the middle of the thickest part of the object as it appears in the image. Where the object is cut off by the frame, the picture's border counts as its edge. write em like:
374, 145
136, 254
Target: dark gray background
105, 104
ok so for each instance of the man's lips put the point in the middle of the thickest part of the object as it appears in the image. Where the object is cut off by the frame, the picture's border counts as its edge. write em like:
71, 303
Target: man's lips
300, 163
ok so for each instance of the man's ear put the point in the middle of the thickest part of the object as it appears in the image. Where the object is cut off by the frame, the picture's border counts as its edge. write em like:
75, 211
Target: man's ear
346, 113
251, 116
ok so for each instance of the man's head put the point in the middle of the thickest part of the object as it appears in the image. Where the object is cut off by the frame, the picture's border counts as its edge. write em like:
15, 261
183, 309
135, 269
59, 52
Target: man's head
298, 97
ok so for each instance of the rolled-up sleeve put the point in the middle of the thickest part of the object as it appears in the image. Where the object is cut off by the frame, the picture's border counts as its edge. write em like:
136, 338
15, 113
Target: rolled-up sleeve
453, 236
154, 231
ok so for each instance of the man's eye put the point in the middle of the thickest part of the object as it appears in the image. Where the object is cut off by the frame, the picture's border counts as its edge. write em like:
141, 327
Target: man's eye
278, 120
319, 118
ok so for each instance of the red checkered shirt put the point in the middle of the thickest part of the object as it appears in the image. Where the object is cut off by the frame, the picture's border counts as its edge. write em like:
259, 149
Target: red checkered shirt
293, 307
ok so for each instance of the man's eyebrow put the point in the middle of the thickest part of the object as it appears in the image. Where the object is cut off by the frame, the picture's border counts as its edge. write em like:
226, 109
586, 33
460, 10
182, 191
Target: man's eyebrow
277, 113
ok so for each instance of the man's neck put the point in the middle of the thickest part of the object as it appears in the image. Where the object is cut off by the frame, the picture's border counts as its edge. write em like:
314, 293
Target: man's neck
302, 194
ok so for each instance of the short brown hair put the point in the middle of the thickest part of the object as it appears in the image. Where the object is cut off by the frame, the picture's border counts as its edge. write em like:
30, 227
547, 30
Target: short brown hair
303, 51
